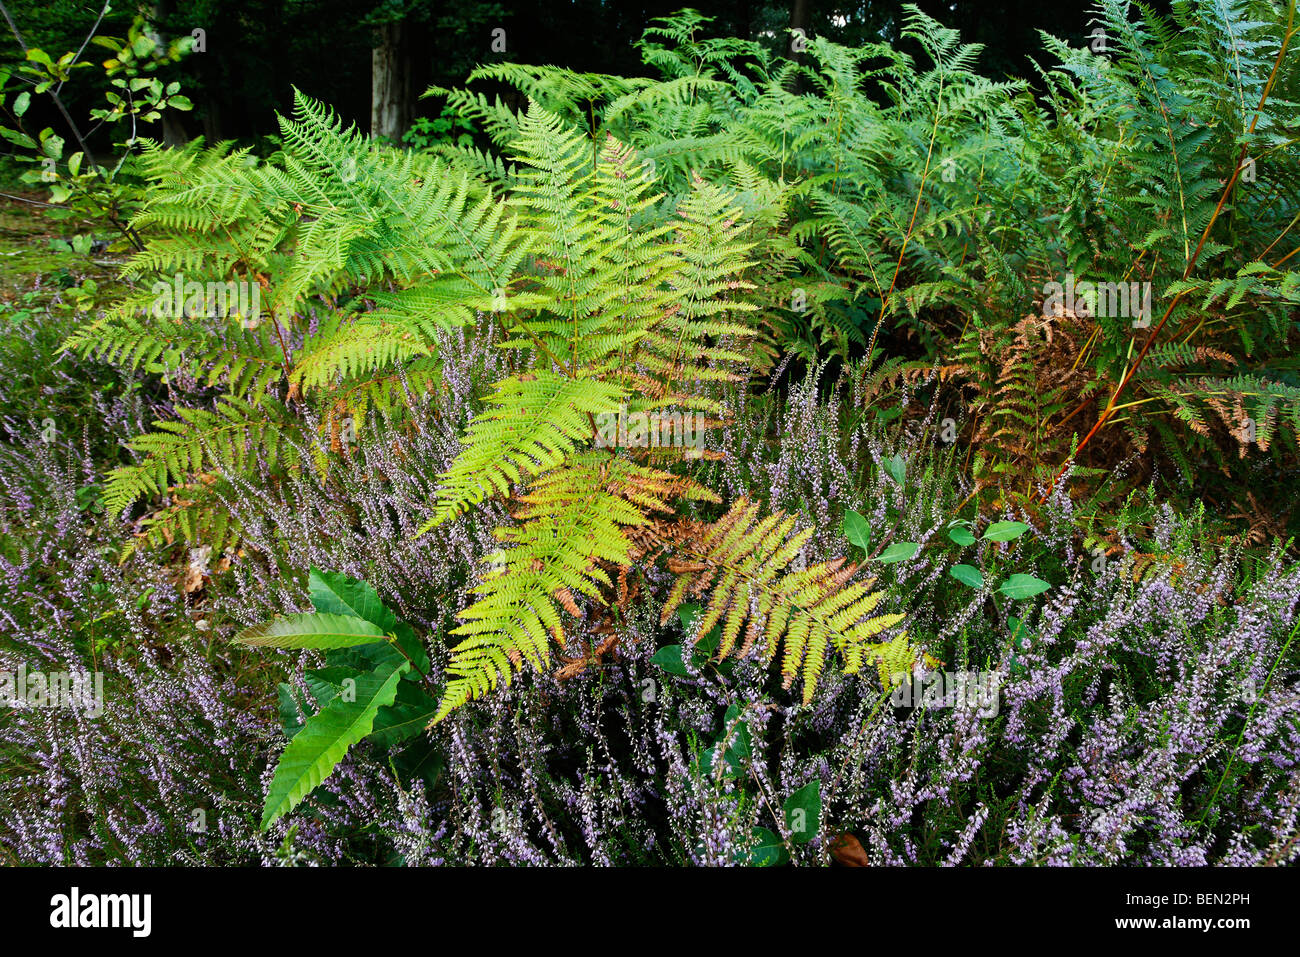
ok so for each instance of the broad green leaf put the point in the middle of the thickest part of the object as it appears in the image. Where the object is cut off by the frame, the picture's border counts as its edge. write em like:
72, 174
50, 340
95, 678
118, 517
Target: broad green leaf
896, 468
968, 575
420, 759
857, 530
21, 102
339, 594
1019, 633
336, 593
17, 138
688, 614
410, 643
323, 741
408, 715
1019, 640
311, 631
961, 535
803, 812
738, 747
1023, 586
770, 850
326, 683
669, 658
1004, 531
289, 710
898, 552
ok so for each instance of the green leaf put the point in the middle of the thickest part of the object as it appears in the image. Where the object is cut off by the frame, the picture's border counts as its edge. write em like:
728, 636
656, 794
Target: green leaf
17, 138
21, 102
1018, 630
770, 850
1004, 531
180, 103
407, 716
311, 631
323, 741
414, 649
688, 615
1023, 586
961, 535
1019, 640
804, 807
326, 683
289, 710
739, 747
857, 530
896, 468
339, 594
421, 759
669, 658
898, 552
968, 575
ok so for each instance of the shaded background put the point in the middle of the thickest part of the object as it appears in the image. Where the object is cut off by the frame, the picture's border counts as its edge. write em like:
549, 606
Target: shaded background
257, 49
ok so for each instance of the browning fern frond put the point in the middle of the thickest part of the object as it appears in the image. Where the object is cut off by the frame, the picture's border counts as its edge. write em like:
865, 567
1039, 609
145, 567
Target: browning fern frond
742, 563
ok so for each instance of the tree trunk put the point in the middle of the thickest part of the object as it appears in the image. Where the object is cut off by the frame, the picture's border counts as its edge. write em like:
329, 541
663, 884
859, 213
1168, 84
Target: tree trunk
799, 21
390, 86
173, 134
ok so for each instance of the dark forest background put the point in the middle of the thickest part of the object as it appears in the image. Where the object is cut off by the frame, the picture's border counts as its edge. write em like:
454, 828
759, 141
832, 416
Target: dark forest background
371, 59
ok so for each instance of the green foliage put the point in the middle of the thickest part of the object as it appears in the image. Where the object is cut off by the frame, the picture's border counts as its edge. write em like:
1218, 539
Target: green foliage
369, 689
643, 245
321, 744
82, 186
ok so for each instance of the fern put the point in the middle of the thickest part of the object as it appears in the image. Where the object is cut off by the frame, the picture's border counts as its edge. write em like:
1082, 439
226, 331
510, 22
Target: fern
741, 561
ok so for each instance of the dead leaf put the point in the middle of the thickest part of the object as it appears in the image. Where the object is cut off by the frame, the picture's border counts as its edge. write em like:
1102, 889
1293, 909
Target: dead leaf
847, 851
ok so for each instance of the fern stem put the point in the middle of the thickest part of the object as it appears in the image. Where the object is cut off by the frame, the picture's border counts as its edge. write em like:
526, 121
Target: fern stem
1227, 190
916, 208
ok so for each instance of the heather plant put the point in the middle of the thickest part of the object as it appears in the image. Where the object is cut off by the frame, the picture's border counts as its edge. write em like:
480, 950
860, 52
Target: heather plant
1093, 757
609, 763
409, 442
1149, 717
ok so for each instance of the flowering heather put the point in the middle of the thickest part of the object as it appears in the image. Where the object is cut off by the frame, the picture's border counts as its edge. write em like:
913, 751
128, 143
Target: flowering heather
1148, 714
